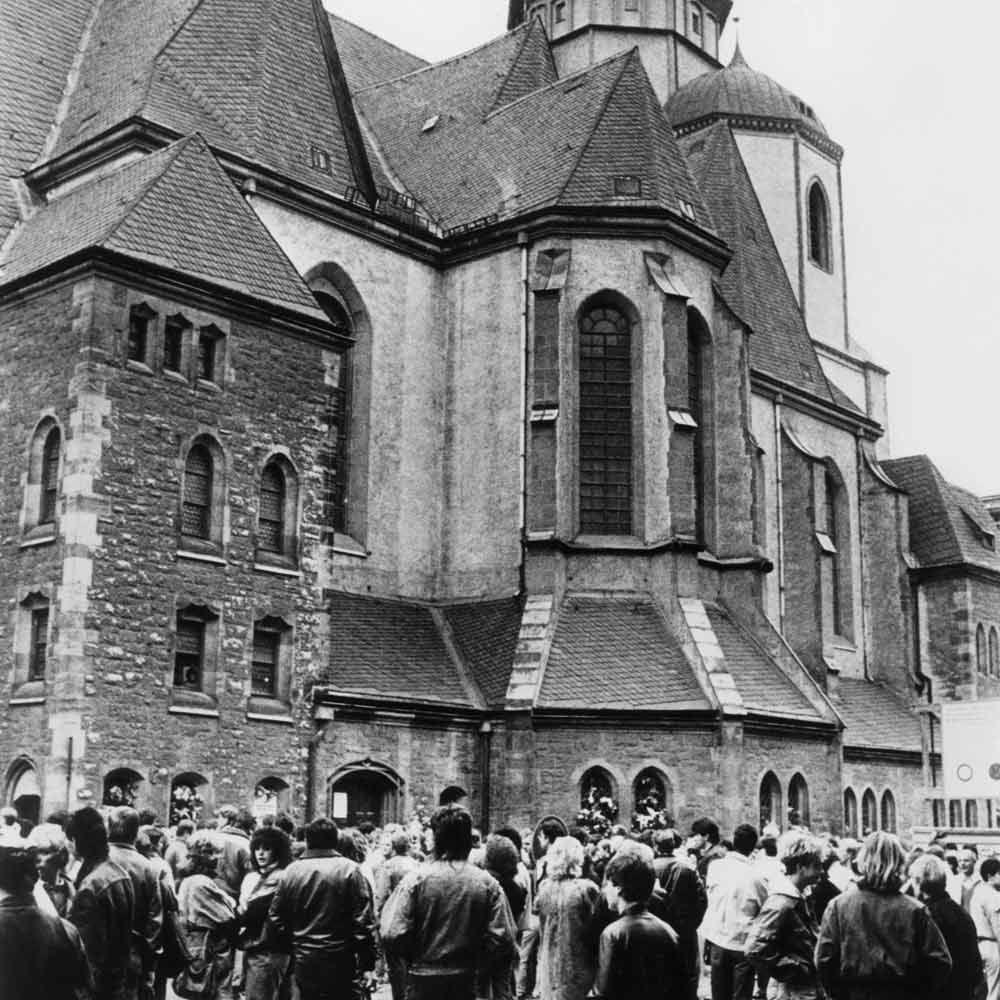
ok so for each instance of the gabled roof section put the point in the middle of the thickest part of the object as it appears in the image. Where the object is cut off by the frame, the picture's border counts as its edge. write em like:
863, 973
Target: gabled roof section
948, 525
256, 77
617, 653
566, 143
755, 284
175, 209
368, 59
533, 67
875, 718
485, 635
38, 46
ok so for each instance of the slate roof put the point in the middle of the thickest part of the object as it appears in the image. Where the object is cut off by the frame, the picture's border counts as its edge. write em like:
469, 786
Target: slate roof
494, 132
755, 283
250, 75
876, 718
762, 684
37, 48
947, 523
175, 208
616, 653
368, 59
486, 636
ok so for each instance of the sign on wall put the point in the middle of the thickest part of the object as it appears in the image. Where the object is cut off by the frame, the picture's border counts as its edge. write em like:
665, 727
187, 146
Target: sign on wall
970, 754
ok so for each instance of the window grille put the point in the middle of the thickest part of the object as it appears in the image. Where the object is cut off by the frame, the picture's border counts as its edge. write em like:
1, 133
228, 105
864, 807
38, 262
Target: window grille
264, 665
197, 512
605, 423
39, 644
189, 652
50, 478
271, 523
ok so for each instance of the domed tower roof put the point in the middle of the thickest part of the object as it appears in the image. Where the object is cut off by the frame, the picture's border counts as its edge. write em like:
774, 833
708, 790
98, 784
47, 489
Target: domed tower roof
745, 96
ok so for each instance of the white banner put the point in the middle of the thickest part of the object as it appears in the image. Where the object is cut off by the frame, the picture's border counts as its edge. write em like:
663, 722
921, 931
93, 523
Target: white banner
970, 752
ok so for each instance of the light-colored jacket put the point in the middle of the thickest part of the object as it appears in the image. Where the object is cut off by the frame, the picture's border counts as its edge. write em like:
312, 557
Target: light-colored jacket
736, 893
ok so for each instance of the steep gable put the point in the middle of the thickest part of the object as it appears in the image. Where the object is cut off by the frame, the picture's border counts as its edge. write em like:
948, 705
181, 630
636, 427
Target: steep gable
368, 59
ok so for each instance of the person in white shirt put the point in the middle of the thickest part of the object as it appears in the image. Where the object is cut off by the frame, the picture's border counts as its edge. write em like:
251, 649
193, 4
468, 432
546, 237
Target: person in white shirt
736, 893
984, 908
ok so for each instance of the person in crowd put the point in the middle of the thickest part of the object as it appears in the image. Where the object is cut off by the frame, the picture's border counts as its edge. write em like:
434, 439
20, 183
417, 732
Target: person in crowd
449, 918
968, 863
842, 870
207, 911
736, 893
147, 914
177, 850
782, 939
765, 858
103, 905
527, 921
685, 902
704, 845
874, 942
568, 907
323, 908
151, 844
396, 868
823, 889
234, 865
527, 946
265, 968
501, 860
51, 851
638, 957
984, 908
41, 955
930, 876
10, 828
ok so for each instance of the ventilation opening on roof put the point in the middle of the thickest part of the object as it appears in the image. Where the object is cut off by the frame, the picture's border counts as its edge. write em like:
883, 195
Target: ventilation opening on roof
686, 207
431, 123
628, 186
574, 84
321, 159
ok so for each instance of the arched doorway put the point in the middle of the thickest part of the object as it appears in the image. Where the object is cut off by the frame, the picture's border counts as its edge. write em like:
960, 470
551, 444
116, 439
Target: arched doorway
23, 791
364, 792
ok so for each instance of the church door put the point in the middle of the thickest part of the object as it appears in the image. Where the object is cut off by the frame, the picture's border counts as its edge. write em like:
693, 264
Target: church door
363, 796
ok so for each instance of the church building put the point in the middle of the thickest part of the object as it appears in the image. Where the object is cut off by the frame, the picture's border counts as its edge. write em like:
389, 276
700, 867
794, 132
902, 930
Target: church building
375, 429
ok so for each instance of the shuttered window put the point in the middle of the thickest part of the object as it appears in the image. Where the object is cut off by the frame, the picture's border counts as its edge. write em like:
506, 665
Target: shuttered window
197, 514
605, 423
189, 652
50, 478
270, 528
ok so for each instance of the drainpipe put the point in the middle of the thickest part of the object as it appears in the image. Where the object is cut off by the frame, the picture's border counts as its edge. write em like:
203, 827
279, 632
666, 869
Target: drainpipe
522, 242
485, 755
780, 491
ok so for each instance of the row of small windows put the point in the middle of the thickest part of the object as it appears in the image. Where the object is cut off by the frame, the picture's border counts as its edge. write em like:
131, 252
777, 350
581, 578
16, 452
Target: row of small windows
651, 789
559, 14
874, 816
963, 813
179, 346
987, 651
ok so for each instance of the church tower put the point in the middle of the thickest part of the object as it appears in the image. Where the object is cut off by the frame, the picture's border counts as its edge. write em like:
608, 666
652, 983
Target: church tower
678, 40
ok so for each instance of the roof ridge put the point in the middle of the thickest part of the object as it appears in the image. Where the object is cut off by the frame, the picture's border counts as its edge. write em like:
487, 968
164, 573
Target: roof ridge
597, 122
535, 25
385, 41
162, 52
938, 482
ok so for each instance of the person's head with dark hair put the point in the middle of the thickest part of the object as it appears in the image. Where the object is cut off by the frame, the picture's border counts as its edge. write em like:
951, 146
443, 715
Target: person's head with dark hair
270, 848
665, 843
551, 830
353, 844
204, 853
285, 822
452, 795
631, 877
501, 858
707, 829
512, 835
88, 834
744, 839
244, 820
452, 829
794, 817
579, 833
147, 817
646, 837
322, 834
989, 869
156, 837
18, 871
367, 828
58, 817
227, 815
184, 829
123, 825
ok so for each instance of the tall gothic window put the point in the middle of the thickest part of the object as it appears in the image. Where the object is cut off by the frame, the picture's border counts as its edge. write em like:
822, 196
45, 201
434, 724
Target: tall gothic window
869, 813
334, 457
850, 813
696, 404
888, 812
198, 473
49, 493
605, 422
820, 251
981, 656
38, 654
798, 800
832, 499
770, 800
271, 523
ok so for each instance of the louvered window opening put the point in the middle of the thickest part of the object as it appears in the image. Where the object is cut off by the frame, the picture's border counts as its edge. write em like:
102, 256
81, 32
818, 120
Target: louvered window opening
39, 644
695, 399
197, 515
271, 523
333, 458
605, 423
189, 653
264, 666
50, 479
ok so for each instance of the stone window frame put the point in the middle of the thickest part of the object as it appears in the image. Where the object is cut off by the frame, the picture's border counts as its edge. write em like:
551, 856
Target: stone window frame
701, 407
819, 221
281, 628
798, 797
887, 816
834, 516
278, 789
40, 513
27, 684
214, 545
210, 337
585, 782
653, 769
177, 324
852, 813
205, 695
770, 785
982, 662
287, 555
117, 776
868, 809
141, 323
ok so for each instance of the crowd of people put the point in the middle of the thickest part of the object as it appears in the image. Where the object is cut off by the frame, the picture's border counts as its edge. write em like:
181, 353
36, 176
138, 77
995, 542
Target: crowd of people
107, 905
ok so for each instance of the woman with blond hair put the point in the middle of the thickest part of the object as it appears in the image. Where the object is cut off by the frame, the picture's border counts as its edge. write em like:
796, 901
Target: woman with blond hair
567, 906
877, 944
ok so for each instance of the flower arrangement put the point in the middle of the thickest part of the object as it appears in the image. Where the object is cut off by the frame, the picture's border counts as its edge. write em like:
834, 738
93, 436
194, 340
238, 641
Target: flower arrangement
598, 812
121, 794
185, 803
650, 808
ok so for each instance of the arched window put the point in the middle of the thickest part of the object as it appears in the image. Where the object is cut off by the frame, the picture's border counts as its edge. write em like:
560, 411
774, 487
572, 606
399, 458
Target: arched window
994, 653
270, 797
50, 477
971, 813
770, 801
850, 813
869, 813
981, 657
121, 787
595, 784
798, 801
187, 797
651, 792
820, 250
697, 336
834, 535
271, 522
888, 812
605, 422
198, 475
23, 791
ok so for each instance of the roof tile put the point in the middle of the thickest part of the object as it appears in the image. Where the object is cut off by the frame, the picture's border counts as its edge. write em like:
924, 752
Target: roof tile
368, 59
876, 718
486, 635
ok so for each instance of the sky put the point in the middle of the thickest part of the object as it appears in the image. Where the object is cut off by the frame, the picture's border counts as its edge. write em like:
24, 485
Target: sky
907, 87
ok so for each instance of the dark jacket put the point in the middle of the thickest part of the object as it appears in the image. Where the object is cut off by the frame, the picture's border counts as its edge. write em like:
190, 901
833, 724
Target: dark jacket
102, 911
959, 933
323, 907
819, 897
41, 956
782, 939
880, 946
639, 959
234, 865
147, 917
253, 917
686, 900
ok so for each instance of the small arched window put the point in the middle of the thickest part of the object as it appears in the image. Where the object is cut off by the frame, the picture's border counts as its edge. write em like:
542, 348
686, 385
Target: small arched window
270, 797
121, 787
850, 813
770, 800
820, 250
798, 801
48, 481
994, 653
596, 784
187, 797
888, 812
271, 523
869, 813
605, 421
651, 792
198, 476
981, 656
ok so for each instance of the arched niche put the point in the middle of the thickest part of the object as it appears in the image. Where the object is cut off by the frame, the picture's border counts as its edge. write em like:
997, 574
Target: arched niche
365, 791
